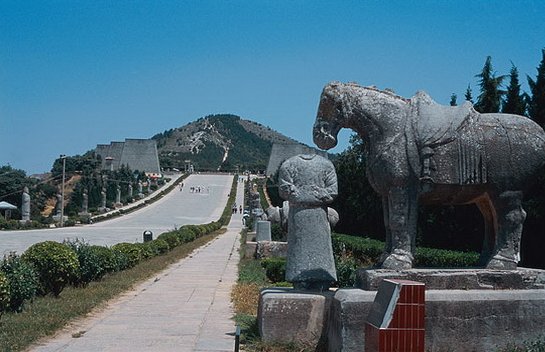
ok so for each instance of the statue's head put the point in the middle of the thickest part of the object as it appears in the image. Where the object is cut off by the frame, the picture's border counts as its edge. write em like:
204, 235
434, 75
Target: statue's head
330, 114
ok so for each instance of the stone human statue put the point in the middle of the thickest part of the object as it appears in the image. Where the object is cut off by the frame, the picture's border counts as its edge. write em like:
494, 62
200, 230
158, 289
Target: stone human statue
58, 205
309, 183
149, 186
118, 195
279, 215
103, 200
85, 205
25, 205
130, 190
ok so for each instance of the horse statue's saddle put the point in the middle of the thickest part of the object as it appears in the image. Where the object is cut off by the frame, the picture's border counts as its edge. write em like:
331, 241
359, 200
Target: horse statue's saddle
444, 143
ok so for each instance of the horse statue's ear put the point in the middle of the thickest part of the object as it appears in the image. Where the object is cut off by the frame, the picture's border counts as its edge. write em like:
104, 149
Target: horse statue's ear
389, 90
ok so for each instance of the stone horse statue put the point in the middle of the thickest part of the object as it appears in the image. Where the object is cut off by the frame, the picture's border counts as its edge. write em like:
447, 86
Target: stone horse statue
420, 151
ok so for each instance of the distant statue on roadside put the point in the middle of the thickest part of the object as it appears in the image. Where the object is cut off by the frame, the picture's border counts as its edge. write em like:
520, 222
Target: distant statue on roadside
25, 205
103, 198
309, 183
58, 205
85, 203
130, 190
420, 152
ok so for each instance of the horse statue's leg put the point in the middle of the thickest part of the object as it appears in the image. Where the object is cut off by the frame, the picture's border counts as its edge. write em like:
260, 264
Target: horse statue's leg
403, 212
487, 210
387, 234
510, 217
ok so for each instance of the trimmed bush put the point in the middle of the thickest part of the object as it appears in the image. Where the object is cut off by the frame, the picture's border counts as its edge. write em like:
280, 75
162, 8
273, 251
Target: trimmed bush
56, 265
4, 293
275, 269
146, 251
159, 246
94, 262
171, 238
133, 252
23, 281
185, 235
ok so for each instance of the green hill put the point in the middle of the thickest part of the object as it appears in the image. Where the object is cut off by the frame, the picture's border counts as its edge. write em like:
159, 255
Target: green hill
218, 142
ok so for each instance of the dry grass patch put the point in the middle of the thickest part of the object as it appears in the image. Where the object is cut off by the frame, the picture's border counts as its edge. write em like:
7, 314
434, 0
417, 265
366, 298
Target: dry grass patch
245, 298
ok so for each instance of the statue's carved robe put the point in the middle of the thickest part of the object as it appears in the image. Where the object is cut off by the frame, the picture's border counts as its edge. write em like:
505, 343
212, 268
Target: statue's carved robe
309, 183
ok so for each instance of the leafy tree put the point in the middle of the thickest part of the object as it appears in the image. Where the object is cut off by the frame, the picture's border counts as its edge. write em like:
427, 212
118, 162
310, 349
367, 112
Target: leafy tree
469, 95
514, 102
490, 98
536, 102
359, 206
453, 98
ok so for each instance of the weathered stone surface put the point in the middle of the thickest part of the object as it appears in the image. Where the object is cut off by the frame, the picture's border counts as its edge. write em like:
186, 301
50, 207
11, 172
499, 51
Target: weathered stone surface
349, 311
279, 215
286, 315
250, 249
263, 230
456, 320
25, 205
461, 279
309, 183
272, 249
283, 151
421, 152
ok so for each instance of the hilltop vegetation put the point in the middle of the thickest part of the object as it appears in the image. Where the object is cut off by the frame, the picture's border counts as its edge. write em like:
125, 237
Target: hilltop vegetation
218, 142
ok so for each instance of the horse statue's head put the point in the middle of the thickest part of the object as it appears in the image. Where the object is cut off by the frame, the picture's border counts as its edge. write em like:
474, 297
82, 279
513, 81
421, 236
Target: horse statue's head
328, 120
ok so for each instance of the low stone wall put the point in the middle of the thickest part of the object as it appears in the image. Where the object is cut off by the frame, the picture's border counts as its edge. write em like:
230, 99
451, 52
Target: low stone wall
271, 249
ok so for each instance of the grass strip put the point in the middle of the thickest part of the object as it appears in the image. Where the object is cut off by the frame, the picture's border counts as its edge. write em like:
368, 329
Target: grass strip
46, 315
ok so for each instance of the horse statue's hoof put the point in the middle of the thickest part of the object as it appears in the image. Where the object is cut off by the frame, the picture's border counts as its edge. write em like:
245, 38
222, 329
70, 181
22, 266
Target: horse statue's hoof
501, 263
398, 262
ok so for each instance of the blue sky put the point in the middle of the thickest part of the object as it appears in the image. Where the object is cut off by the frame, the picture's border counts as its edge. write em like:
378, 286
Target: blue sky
77, 73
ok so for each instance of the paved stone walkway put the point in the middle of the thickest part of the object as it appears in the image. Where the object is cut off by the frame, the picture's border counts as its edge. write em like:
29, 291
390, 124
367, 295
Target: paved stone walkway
185, 308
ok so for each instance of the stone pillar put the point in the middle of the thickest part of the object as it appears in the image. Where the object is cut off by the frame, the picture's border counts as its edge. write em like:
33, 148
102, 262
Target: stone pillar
118, 197
85, 205
140, 192
25, 206
397, 317
130, 190
263, 231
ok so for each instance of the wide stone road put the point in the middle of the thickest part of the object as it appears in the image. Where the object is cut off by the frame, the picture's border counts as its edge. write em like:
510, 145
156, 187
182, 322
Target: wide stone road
173, 210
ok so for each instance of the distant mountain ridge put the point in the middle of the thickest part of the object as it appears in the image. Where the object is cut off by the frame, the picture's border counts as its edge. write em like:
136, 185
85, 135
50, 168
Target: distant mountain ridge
219, 142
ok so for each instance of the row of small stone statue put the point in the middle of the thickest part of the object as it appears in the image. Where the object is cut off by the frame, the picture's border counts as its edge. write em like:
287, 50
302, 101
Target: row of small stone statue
25, 203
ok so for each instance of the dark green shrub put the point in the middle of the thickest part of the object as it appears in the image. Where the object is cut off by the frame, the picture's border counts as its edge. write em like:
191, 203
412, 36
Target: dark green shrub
186, 235
347, 267
4, 293
56, 265
275, 268
106, 257
93, 262
171, 238
121, 260
23, 280
441, 258
159, 245
278, 233
133, 252
146, 251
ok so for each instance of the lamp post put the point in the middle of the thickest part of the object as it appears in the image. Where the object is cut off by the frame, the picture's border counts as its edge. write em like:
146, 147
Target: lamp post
63, 157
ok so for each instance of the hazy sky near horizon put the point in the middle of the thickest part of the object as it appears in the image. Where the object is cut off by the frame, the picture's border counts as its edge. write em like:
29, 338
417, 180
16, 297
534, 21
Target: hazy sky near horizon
74, 74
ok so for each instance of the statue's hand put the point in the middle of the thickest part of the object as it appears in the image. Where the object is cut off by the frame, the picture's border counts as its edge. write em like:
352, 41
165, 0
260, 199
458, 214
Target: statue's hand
321, 194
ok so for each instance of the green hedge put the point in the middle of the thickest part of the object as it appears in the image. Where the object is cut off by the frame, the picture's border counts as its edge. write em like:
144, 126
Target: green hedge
368, 250
56, 265
22, 279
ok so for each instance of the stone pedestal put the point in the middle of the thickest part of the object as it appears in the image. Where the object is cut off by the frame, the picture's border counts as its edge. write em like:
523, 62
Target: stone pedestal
286, 315
462, 320
461, 279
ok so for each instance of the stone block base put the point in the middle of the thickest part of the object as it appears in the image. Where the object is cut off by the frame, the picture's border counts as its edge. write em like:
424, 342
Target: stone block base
460, 279
250, 249
456, 320
271, 249
286, 315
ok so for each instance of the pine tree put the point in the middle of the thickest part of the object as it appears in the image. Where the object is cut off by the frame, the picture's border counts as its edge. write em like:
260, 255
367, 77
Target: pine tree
514, 102
490, 98
453, 98
469, 96
536, 102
